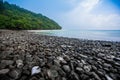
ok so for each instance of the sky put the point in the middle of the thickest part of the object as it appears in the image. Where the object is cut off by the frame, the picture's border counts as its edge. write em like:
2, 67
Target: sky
77, 14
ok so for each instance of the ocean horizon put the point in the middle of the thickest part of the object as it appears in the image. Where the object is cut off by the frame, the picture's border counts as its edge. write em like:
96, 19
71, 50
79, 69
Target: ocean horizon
104, 35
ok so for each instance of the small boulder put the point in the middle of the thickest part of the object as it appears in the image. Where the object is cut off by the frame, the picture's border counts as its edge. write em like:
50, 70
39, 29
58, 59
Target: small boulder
87, 68
7, 62
4, 71
79, 70
66, 68
52, 73
19, 63
15, 73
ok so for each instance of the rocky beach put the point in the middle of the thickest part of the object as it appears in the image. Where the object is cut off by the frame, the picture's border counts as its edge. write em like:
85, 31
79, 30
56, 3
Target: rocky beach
28, 56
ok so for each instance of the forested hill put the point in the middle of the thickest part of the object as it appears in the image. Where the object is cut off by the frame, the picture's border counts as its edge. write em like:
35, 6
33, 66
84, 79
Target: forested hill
14, 17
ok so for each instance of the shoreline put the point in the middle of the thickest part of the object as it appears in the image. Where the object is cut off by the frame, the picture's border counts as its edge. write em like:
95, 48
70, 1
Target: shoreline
56, 58
90, 34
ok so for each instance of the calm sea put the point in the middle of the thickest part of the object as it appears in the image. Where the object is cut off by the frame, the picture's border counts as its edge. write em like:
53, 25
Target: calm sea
107, 35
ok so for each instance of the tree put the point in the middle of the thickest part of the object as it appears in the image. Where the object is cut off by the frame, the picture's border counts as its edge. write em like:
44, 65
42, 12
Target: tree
1, 6
1, 1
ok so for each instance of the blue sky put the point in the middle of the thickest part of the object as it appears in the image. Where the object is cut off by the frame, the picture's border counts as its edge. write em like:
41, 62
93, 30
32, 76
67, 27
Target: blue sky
77, 14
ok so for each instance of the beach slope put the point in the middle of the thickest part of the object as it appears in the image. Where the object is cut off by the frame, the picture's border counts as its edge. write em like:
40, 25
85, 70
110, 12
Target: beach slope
29, 56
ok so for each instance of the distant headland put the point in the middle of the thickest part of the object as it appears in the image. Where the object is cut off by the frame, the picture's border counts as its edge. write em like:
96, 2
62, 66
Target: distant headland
14, 17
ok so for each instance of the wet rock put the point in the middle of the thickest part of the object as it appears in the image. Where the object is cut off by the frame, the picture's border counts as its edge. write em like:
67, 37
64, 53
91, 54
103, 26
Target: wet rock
19, 47
63, 78
101, 55
79, 70
107, 65
81, 55
80, 64
33, 78
4, 77
7, 62
87, 68
110, 57
23, 78
42, 63
2, 66
57, 63
72, 65
19, 63
61, 72
25, 67
106, 44
6, 54
66, 68
52, 73
96, 76
29, 57
62, 61
63, 46
54, 67
108, 77
84, 77
117, 59
67, 58
4, 71
42, 79
100, 73
48, 53
94, 68
73, 76
117, 64
15, 73
26, 72
83, 62
113, 76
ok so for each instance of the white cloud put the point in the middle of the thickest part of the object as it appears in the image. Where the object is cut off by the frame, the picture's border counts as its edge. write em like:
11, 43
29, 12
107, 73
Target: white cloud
82, 16
89, 4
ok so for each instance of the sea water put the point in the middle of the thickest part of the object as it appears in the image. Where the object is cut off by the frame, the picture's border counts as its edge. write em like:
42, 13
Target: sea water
107, 35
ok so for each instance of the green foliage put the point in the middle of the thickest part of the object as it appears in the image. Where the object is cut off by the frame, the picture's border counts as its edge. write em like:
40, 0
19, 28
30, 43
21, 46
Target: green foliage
1, 6
14, 17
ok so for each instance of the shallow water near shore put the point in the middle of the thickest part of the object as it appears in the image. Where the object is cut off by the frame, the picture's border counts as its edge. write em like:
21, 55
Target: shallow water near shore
107, 35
